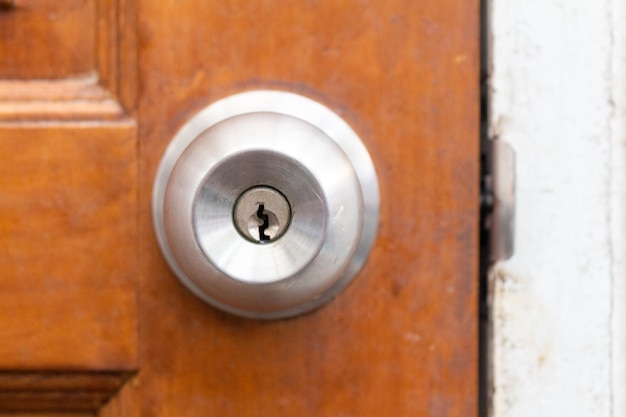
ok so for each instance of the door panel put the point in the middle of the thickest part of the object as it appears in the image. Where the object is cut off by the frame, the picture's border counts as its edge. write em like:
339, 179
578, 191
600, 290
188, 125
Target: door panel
62, 33
65, 195
68, 204
105, 328
401, 340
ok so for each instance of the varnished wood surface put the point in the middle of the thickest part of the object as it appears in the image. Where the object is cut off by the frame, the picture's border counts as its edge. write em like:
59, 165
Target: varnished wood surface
402, 339
59, 391
68, 208
47, 414
70, 60
125, 403
68, 233
71, 100
48, 39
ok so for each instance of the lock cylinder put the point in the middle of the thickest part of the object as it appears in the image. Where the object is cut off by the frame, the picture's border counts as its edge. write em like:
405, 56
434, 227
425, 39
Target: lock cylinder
266, 204
262, 214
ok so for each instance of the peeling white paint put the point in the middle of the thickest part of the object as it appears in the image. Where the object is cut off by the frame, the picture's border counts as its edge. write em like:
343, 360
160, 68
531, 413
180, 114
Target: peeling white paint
559, 305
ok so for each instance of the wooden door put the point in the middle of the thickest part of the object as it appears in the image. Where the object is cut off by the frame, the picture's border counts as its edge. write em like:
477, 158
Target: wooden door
93, 322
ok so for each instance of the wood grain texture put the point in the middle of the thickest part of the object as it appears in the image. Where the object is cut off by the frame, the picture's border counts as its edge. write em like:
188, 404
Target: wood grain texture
402, 339
46, 414
48, 39
54, 392
68, 205
101, 39
68, 247
117, 51
125, 403
73, 99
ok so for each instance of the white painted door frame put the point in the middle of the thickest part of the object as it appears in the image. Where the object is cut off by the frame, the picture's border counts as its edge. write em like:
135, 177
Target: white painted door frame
557, 95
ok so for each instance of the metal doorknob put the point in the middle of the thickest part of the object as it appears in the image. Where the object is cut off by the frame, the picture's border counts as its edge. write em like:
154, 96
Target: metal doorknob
265, 204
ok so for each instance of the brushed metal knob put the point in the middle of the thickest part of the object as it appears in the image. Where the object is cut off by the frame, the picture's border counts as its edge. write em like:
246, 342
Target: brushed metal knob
265, 204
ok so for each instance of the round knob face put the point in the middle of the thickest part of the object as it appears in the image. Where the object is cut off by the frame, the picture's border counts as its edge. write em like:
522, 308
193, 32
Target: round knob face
266, 204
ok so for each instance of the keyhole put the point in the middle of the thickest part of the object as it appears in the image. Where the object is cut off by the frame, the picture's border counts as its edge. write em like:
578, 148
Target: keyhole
262, 214
266, 223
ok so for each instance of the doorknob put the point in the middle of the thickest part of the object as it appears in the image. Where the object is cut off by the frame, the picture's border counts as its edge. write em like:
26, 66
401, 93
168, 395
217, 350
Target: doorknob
265, 204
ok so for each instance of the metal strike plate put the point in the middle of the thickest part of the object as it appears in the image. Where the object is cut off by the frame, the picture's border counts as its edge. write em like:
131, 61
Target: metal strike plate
502, 195
266, 204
